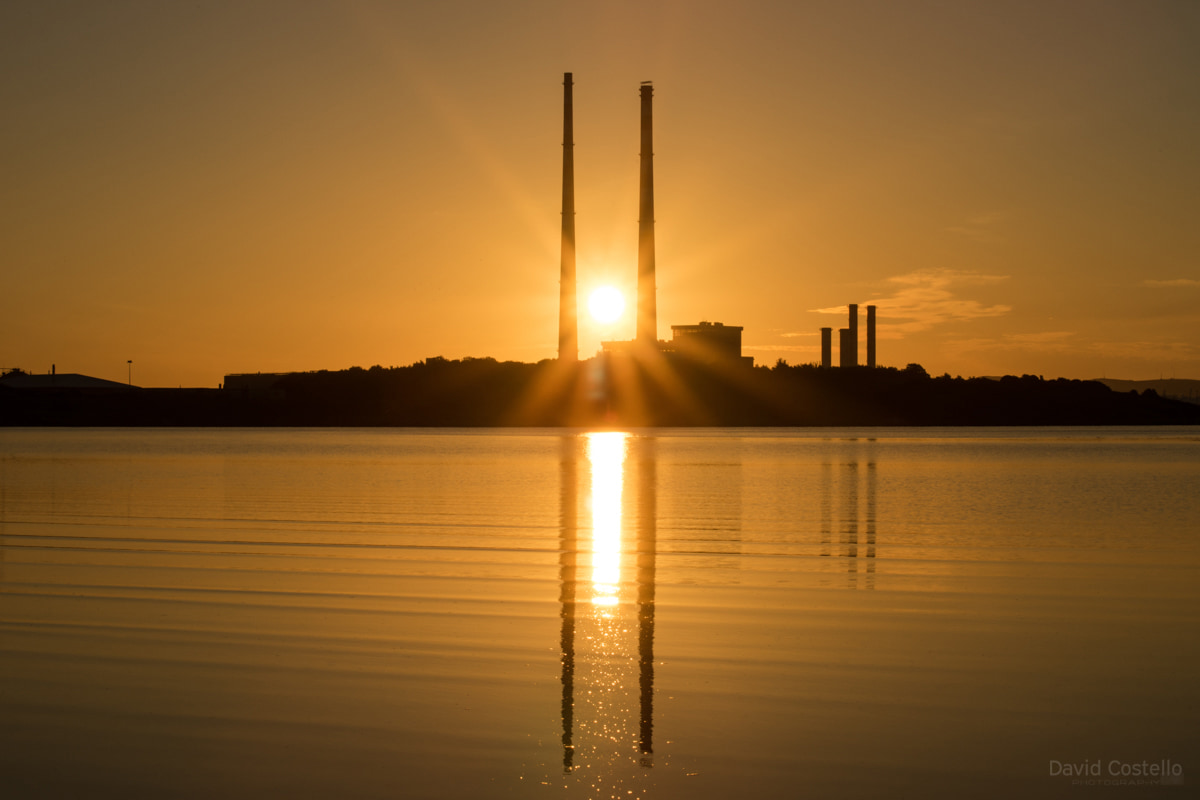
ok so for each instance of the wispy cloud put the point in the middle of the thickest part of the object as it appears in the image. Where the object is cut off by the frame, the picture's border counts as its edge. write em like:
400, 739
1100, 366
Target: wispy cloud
1042, 339
783, 348
1149, 351
1041, 342
1069, 342
794, 334
928, 298
981, 227
1187, 283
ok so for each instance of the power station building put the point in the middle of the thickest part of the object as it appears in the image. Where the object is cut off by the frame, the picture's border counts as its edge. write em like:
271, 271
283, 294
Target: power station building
707, 341
848, 341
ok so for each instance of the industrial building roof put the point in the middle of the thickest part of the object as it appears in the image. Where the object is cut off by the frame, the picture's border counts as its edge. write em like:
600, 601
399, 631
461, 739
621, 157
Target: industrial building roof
62, 380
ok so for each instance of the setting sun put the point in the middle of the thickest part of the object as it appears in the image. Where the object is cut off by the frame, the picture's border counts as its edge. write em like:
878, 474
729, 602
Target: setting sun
606, 304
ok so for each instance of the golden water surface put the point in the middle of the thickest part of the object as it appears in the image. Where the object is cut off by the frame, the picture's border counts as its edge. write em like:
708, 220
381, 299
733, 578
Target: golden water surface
654, 614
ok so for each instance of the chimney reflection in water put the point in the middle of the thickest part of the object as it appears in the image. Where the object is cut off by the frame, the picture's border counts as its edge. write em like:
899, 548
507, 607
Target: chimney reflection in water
607, 629
855, 511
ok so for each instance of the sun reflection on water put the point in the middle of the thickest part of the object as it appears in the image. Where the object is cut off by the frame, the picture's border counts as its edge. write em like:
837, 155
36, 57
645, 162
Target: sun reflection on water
606, 455
607, 610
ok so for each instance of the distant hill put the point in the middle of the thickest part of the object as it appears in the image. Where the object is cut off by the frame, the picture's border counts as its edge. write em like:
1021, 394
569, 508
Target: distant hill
1174, 388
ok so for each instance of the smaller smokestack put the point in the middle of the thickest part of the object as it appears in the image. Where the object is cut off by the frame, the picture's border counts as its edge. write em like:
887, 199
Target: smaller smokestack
871, 337
826, 347
854, 334
844, 341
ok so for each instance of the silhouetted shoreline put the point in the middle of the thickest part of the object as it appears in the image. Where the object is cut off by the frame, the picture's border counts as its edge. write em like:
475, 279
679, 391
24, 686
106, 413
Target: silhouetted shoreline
653, 390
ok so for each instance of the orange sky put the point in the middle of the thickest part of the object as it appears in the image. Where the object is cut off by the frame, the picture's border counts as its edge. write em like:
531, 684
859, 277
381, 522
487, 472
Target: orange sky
272, 186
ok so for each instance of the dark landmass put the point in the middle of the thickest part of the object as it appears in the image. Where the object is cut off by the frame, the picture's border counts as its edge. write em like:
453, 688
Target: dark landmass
651, 389
1173, 388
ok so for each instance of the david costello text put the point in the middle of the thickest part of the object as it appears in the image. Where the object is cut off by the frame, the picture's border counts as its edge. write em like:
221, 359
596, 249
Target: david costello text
1164, 771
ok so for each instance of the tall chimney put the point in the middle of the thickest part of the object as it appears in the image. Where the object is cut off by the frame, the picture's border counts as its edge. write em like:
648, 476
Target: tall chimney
827, 347
647, 307
568, 322
845, 347
871, 337
853, 356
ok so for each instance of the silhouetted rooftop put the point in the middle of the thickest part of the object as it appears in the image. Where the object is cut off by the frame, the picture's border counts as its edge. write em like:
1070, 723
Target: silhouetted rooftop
62, 380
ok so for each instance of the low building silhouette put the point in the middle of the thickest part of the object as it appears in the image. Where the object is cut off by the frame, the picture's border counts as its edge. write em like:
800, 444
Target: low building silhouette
709, 342
17, 379
256, 385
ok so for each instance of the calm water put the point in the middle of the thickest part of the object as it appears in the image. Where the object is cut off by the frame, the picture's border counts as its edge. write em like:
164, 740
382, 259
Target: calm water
828, 613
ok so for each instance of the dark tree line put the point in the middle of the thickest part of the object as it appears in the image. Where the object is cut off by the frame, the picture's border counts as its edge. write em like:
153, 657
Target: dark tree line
661, 390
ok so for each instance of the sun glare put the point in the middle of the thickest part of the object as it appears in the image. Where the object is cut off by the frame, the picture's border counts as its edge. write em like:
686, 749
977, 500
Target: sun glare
606, 304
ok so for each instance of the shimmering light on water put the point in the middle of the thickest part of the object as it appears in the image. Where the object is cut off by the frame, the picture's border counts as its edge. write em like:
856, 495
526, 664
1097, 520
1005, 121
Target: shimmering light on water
606, 694
606, 457
361, 614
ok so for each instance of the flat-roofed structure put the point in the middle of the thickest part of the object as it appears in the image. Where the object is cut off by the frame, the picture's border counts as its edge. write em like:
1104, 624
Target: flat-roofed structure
708, 341
58, 380
256, 384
